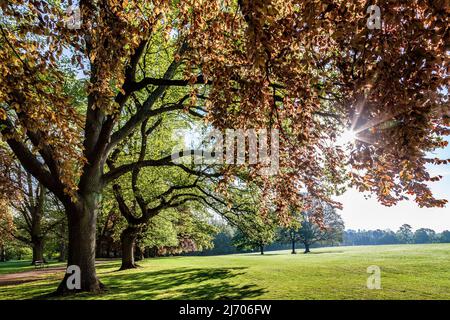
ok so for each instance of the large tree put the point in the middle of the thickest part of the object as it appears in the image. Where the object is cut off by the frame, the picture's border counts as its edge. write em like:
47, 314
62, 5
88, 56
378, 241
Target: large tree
298, 66
150, 192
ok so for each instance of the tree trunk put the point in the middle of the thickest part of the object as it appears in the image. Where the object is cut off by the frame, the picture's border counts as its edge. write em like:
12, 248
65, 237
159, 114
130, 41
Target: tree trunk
139, 254
37, 239
306, 247
261, 249
2, 253
62, 244
293, 247
38, 249
98, 249
82, 218
62, 252
128, 238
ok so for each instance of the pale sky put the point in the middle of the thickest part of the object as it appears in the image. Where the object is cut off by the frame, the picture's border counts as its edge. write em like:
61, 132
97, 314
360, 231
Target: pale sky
359, 213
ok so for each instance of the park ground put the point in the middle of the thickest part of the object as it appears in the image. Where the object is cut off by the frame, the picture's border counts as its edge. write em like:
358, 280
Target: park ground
407, 272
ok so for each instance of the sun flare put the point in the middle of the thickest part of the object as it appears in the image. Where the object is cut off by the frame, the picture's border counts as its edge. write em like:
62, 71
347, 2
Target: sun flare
348, 136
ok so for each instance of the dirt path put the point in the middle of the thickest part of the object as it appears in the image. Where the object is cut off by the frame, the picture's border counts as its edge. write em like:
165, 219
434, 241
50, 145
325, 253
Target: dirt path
32, 275
28, 276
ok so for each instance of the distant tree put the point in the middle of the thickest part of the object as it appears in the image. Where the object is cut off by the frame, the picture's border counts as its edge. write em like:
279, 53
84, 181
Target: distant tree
257, 236
330, 228
424, 235
177, 231
106, 245
388, 237
405, 234
290, 234
244, 210
444, 237
6, 228
38, 214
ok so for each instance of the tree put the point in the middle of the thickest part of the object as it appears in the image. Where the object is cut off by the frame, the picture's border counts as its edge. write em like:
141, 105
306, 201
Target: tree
444, 236
6, 228
290, 233
424, 235
389, 237
107, 224
329, 229
303, 68
222, 243
38, 214
149, 192
191, 232
34, 210
405, 234
256, 233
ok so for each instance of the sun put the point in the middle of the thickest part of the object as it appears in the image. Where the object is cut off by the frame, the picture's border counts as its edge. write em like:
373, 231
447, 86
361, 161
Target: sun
348, 136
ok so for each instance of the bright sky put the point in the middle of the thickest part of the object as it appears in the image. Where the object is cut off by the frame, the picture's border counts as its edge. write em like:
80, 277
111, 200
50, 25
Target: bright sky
359, 213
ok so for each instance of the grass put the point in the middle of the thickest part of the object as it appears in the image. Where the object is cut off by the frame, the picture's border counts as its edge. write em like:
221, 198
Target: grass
407, 272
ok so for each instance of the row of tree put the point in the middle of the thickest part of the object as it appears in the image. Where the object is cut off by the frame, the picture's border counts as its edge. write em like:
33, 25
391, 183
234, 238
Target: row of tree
230, 240
405, 234
262, 233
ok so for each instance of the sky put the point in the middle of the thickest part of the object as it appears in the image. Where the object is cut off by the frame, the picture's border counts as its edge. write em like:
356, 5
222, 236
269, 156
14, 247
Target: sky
359, 213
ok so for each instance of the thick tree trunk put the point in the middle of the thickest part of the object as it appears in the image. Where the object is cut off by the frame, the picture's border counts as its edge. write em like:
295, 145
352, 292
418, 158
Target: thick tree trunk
82, 218
261, 249
38, 249
306, 247
293, 247
128, 238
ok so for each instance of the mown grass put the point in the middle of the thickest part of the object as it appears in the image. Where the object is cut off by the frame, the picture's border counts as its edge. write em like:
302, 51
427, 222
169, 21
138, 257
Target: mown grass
407, 272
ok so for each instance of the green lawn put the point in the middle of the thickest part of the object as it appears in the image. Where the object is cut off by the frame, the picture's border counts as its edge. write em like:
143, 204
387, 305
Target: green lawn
407, 272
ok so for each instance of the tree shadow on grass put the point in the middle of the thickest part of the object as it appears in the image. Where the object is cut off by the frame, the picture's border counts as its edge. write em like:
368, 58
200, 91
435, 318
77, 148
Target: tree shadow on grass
181, 283
322, 252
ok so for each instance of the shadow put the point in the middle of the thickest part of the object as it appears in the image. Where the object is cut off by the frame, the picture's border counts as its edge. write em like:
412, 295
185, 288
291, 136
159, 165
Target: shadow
321, 252
181, 283
266, 253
